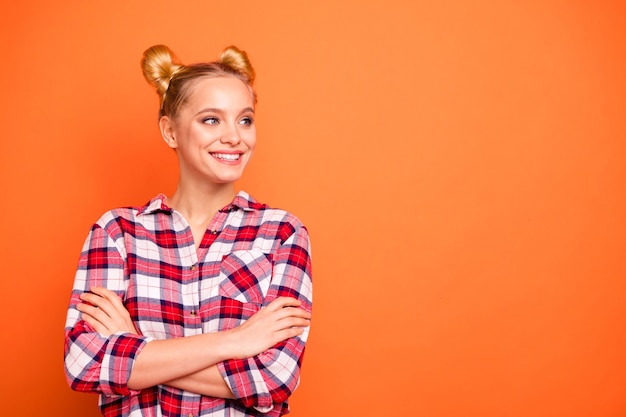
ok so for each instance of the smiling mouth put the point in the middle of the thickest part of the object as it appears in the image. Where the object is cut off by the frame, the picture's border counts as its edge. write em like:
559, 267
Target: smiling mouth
226, 156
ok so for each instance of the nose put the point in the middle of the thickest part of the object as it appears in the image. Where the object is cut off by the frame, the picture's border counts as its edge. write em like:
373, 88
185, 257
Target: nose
231, 135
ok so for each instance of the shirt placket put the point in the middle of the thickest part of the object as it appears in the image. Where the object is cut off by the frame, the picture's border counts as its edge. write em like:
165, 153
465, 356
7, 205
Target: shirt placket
189, 268
193, 274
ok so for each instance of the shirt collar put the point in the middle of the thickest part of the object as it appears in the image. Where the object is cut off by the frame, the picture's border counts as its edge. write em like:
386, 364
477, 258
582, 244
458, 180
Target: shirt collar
242, 200
245, 202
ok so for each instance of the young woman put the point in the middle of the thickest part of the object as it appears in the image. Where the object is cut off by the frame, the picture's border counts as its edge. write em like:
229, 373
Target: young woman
197, 304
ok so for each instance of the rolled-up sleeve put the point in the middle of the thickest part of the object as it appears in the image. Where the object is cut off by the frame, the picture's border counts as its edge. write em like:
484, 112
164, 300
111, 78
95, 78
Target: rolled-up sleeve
270, 377
94, 363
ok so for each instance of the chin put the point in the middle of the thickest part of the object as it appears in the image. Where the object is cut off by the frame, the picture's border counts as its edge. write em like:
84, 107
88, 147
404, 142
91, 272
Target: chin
227, 179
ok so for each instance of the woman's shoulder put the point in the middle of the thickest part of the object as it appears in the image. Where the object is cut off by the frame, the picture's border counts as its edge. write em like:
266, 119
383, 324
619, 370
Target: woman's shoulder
278, 215
266, 212
127, 216
272, 222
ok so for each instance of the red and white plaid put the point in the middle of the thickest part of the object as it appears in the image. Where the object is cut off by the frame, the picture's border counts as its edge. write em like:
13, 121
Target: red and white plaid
251, 255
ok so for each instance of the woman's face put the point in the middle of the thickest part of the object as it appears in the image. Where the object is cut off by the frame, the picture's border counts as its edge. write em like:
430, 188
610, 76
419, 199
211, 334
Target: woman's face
214, 132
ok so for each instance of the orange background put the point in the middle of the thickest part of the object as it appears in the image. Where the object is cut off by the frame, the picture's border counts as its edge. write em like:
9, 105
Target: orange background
461, 166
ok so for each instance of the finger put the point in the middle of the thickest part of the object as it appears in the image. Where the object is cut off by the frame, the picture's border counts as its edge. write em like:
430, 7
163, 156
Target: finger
107, 294
101, 291
293, 322
95, 317
288, 333
282, 302
90, 298
97, 301
117, 306
117, 302
292, 312
96, 325
95, 312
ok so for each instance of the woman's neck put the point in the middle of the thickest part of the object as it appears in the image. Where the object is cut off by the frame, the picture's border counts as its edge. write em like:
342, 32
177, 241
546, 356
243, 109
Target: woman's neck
198, 204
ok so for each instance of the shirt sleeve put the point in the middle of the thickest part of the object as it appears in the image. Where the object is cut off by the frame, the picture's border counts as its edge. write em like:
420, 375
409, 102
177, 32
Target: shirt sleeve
270, 377
94, 363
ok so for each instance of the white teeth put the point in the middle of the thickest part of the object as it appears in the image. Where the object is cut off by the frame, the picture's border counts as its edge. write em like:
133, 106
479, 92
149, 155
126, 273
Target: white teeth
226, 156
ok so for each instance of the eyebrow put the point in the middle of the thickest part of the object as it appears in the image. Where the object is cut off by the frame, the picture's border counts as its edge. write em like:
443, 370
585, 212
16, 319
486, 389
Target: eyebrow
217, 110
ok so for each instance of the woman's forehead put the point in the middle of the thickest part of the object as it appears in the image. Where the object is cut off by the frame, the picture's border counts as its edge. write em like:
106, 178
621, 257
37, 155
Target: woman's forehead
220, 92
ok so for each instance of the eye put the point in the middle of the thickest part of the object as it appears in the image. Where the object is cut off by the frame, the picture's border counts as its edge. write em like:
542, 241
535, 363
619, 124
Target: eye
246, 121
210, 120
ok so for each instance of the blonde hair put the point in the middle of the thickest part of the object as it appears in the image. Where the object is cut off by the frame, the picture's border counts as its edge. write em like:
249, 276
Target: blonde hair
172, 80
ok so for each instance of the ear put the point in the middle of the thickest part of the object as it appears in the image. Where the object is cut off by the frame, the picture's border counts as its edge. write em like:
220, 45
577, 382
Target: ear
167, 131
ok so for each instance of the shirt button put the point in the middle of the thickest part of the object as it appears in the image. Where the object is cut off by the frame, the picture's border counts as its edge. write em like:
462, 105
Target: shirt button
193, 267
193, 313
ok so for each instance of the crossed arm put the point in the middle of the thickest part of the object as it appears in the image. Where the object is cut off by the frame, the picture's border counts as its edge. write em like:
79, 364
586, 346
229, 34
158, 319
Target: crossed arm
105, 354
189, 363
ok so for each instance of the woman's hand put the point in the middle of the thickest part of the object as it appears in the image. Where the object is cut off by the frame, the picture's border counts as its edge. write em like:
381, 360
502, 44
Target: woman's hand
280, 320
104, 311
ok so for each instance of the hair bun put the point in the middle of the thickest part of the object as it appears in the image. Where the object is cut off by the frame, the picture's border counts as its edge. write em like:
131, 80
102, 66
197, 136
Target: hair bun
172, 80
237, 60
159, 64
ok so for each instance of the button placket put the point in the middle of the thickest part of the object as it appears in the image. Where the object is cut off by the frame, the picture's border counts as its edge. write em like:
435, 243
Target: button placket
192, 269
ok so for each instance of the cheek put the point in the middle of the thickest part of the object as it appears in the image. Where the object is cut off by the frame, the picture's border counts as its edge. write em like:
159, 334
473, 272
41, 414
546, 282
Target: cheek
250, 140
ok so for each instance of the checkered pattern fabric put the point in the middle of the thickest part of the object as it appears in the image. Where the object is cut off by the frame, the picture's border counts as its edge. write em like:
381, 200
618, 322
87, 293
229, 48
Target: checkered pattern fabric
250, 255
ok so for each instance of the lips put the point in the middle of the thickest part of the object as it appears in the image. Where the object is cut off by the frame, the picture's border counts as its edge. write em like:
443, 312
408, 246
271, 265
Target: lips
230, 157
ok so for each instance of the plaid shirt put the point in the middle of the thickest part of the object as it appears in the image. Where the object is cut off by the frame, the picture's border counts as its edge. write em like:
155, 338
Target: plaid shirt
250, 255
